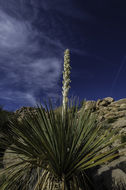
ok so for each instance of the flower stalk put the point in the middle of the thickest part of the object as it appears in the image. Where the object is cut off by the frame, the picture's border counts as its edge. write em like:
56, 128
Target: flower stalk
66, 80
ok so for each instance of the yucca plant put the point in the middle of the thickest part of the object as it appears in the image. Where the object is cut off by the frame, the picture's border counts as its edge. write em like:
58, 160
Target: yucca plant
52, 150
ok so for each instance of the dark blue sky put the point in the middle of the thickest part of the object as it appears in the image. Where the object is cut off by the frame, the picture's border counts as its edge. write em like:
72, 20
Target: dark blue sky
34, 35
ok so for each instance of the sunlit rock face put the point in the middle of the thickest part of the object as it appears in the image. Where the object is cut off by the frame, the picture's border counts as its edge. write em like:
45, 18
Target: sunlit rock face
24, 111
112, 175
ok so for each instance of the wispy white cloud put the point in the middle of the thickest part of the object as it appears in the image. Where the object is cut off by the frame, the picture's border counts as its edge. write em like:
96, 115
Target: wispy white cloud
13, 34
23, 74
17, 98
40, 75
21, 97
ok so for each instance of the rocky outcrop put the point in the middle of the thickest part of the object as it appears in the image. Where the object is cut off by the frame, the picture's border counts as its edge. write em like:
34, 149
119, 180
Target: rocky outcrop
110, 113
24, 111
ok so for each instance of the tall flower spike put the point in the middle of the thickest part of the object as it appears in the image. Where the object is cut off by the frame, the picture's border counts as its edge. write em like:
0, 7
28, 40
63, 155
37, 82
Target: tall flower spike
66, 80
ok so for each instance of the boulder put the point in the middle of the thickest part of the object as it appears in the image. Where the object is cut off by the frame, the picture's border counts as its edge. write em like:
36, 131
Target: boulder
111, 176
118, 179
98, 103
104, 102
109, 99
90, 105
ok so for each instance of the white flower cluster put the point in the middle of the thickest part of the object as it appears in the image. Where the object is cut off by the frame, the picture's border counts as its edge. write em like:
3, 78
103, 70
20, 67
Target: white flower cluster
66, 79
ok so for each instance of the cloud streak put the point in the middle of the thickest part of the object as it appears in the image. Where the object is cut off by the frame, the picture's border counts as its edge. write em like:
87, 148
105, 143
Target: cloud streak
12, 33
24, 69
